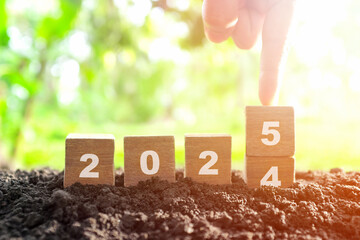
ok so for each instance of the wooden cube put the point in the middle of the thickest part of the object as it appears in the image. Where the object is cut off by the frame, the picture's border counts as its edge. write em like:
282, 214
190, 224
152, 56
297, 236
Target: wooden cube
89, 159
208, 158
270, 131
270, 171
148, 156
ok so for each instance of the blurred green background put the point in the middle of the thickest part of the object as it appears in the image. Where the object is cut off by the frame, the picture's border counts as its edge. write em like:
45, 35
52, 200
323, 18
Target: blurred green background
144, 67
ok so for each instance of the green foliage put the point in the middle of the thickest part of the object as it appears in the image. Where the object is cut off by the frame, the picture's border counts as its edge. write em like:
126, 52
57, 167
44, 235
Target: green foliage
144, 67
52, 28
4, 38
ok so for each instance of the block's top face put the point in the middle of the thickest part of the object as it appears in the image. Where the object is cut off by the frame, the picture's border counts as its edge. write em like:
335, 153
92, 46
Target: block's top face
147, 139
220, 143
206, 135
150, 136
273, 110
90, 136
270, 131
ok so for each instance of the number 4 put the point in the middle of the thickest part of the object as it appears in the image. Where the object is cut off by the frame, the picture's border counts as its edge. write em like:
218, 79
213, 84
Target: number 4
273, 171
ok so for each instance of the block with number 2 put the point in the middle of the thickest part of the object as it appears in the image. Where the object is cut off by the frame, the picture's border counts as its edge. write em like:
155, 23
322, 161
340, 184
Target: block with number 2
208, 158
89, 159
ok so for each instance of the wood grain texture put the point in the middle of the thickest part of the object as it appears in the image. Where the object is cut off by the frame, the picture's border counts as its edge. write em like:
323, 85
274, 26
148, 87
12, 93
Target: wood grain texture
255, 118
257, 167
195, 144
134, 146
102, 145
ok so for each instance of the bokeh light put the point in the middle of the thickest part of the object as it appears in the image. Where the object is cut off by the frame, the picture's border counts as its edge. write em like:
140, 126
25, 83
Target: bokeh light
145, 67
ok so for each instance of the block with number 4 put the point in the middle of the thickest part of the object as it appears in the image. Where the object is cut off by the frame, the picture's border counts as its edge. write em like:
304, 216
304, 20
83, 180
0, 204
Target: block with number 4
208, 158
89, 159
270, 131
148, 156
269, 171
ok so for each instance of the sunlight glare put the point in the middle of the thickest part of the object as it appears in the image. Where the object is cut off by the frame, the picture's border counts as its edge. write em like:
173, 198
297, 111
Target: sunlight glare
136, 11
69, 81
354, 82
163, 49
316, 20
79, 45
41, 7
180, 5
18, 42
185, 115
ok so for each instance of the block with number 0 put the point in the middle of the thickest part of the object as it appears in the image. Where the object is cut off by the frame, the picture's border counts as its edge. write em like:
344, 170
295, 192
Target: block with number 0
269, 171
89, 159
148, 156
270, 131
208, 158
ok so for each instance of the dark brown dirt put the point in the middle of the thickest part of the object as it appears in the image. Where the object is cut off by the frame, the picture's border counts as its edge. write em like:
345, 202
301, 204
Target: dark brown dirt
320, 205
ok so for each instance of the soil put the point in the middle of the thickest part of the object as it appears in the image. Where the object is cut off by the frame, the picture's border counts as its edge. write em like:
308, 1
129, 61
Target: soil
320, 205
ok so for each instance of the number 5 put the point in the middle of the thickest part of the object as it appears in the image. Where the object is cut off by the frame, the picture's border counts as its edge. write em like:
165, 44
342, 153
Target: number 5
266, 131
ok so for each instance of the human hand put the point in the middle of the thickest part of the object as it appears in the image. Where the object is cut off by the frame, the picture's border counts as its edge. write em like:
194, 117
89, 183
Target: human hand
243, 20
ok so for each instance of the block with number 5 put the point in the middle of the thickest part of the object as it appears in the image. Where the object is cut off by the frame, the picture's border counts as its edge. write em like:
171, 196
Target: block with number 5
148, 156
269, 171
89, 159
208, 158
270, 131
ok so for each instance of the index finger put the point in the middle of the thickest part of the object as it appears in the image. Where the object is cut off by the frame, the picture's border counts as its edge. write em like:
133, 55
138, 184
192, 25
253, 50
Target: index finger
275, 33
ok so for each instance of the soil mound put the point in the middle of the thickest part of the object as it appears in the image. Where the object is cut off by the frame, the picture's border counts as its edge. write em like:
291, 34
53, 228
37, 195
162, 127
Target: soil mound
320, 205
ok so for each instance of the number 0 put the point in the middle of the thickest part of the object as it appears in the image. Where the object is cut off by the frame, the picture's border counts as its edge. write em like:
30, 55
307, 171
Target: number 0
143, 162
266, 131
205, 170
86, 172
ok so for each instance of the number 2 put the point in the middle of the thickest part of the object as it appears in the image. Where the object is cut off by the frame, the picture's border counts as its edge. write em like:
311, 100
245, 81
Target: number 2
273, 171
266, 131
205, 170
86, 172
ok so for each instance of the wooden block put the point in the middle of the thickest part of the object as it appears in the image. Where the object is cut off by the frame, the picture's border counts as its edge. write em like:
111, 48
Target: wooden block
89, 159
274, 171
148, 156
208, 158
270, 131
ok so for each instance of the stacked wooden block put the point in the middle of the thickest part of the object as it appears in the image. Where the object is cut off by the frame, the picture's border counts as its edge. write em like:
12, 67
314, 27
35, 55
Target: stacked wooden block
270, 146
269, 158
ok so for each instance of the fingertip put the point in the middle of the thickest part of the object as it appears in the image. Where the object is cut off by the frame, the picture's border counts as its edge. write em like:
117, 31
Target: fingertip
217, 36
267, 100
245, 45
268, 89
